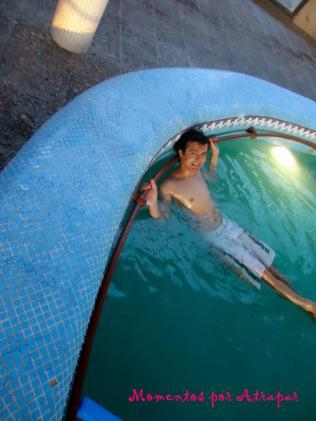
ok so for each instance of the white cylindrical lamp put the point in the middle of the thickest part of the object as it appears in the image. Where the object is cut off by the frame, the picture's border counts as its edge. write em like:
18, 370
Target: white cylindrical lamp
75, 22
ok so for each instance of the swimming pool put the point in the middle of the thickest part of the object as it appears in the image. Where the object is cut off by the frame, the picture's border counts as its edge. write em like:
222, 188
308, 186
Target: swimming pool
65, 193
176, 319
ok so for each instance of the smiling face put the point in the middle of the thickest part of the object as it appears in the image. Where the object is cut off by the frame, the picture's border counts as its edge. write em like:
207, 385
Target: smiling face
193, 157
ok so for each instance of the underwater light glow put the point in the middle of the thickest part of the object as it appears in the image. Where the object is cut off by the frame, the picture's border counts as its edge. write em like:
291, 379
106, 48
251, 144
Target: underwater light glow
284, 157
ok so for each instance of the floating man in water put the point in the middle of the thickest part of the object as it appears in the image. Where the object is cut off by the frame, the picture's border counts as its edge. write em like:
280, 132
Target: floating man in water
187, 186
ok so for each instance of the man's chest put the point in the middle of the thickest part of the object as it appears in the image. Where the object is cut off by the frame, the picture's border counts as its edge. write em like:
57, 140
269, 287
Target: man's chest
192, 193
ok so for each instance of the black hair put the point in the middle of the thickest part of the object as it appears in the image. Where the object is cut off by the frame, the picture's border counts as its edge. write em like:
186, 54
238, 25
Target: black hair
191, 135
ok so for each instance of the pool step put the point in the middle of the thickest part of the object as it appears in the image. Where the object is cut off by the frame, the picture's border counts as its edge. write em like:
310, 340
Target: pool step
92, 411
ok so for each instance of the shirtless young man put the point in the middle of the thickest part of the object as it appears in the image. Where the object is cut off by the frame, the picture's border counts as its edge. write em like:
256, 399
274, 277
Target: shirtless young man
187, 186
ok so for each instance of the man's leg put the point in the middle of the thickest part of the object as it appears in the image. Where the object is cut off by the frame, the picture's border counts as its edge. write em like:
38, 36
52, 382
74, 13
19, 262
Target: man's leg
232, 264
264, 254
287, 292
280, 276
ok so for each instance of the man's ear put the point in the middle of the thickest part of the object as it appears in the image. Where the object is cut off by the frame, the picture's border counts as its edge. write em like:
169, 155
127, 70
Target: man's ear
180, 153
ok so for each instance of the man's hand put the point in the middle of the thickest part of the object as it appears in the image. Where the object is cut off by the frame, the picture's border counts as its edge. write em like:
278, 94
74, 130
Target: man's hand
152, 200
214, 148
152, 195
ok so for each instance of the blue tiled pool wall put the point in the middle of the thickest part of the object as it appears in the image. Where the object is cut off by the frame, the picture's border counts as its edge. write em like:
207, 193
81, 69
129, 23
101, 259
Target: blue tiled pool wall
65, 193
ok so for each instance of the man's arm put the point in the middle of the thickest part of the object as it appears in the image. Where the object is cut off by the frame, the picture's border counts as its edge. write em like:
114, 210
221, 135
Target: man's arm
155, 210
214, 156
165, 200
210, 174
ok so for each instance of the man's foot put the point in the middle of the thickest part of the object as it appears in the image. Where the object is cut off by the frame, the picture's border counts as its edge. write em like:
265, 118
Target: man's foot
311, 308
313, 316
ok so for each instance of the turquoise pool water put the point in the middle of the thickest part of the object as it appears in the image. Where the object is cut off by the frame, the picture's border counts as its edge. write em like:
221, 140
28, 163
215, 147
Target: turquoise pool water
176, 319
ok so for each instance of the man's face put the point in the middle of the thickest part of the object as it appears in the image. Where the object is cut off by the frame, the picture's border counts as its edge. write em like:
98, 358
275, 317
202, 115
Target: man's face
193, 157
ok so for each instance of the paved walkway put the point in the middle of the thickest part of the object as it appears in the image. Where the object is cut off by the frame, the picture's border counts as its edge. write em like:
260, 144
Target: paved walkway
38, 77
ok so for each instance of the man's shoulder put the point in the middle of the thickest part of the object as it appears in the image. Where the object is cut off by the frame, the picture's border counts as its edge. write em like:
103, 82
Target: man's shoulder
167, 185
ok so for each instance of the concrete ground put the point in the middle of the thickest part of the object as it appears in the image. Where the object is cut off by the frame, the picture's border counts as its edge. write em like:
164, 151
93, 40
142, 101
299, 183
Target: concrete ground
38, 77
